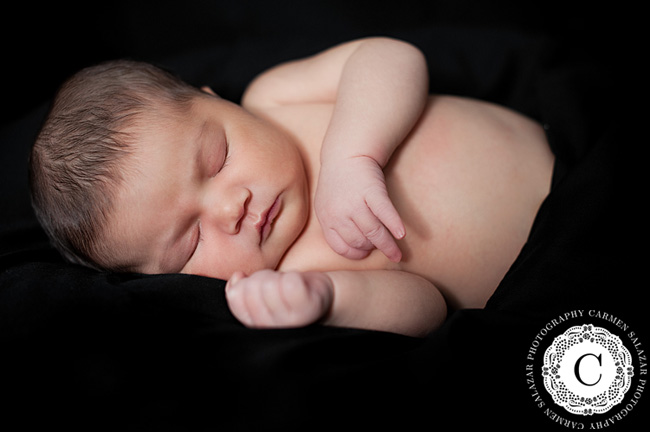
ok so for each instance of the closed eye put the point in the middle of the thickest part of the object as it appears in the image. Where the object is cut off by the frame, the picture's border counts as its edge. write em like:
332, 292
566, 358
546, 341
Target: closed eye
226, 158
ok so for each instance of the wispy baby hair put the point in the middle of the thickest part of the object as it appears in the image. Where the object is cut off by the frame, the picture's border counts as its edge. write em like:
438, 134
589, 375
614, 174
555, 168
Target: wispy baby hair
76, 164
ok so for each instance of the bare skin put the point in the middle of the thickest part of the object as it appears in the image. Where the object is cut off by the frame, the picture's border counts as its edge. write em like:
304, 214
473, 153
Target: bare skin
318, 204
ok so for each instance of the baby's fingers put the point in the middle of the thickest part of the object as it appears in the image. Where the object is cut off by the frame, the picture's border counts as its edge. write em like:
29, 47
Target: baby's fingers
359, 250
251, 298
381, 238
387, 226
269, 299
236, 277
382, 207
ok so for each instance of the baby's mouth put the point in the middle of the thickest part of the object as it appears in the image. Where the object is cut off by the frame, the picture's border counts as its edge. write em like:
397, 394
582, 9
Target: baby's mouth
266, 220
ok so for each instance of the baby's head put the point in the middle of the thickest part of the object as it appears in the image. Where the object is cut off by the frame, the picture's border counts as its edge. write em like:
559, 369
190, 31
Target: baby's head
136, 170
80, 157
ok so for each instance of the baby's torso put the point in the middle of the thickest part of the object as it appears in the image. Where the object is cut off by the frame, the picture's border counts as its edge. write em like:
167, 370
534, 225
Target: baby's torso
467, 181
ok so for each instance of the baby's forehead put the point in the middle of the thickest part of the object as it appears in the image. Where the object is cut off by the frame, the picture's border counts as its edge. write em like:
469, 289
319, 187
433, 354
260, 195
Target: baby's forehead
158, 113
161, 145
153, 126
166, 132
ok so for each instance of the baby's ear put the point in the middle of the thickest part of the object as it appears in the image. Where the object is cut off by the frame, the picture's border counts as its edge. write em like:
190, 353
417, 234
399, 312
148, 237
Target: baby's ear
208, 90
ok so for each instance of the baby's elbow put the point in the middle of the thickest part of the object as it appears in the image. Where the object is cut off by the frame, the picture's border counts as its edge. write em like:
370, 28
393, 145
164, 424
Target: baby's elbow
435, 313
398, 46
428, 314
411, 61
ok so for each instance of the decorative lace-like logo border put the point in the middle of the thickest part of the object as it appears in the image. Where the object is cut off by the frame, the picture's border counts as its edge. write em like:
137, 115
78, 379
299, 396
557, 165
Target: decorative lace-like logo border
587, 369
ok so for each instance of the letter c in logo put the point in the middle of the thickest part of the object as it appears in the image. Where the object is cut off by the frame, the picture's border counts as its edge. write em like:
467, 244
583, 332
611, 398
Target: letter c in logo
576, 369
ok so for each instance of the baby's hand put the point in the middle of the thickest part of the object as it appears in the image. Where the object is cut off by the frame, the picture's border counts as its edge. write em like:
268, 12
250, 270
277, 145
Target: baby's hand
271, 299
354, 209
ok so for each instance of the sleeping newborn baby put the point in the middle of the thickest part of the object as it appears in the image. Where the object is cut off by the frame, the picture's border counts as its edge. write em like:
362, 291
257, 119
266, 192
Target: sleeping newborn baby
339, 192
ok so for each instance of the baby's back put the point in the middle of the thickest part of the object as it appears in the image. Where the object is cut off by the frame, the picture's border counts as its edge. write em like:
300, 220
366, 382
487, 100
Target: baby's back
467, 181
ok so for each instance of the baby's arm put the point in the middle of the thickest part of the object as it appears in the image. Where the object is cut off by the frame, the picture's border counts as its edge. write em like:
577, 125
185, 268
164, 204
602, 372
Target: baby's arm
381, 94
379, 87
386, 300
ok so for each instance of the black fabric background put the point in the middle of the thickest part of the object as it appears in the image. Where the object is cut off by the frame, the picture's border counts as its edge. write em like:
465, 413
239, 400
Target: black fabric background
93, 351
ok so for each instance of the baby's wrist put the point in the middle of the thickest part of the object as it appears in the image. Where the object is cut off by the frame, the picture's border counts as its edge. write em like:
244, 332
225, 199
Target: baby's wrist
342, 146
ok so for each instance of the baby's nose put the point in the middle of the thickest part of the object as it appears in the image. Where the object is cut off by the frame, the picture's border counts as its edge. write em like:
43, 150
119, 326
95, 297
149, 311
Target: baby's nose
232, 209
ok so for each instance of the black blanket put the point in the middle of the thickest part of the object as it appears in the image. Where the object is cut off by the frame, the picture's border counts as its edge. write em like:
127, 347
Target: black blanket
95, 351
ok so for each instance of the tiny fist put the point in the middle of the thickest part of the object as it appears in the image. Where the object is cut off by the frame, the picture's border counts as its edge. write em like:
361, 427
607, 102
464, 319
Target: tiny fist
236, 277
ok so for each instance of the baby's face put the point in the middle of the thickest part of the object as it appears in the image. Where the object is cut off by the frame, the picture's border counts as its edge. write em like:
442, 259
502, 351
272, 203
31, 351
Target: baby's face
211, 192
